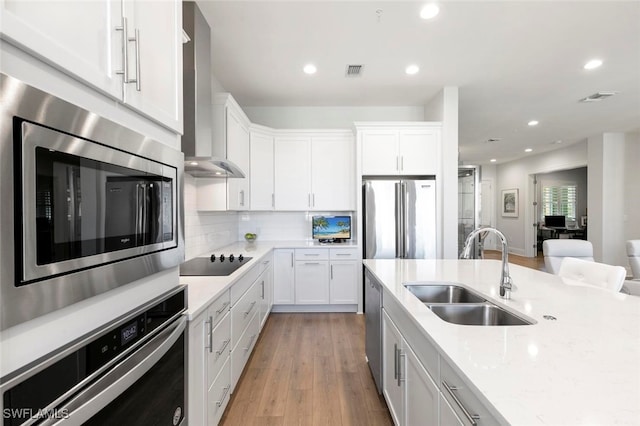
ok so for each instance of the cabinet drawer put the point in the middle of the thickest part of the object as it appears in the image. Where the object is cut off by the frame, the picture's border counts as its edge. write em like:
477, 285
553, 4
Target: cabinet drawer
312, 254
464, 400
219, 308
243, 284
220, 346
240, 354
218, 394
243, 311
344, 254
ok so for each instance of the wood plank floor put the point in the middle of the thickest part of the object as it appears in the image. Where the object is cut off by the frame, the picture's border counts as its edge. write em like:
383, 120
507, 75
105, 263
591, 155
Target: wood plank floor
529, 262
308, 369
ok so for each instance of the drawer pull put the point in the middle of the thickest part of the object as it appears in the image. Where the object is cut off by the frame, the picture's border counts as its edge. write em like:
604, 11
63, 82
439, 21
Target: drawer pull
311, 254
250, 343
311, 263
343, 254
224, 395
224, 346
473, 418
250, 308
223, 308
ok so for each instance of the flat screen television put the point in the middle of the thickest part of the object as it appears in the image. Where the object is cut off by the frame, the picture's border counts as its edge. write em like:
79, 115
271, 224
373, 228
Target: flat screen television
329, 229
555, 221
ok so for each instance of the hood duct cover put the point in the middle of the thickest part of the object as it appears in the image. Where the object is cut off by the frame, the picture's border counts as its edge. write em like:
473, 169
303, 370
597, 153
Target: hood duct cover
197, 138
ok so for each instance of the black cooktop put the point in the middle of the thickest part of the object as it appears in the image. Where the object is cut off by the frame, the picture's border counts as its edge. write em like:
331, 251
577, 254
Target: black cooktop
214, 266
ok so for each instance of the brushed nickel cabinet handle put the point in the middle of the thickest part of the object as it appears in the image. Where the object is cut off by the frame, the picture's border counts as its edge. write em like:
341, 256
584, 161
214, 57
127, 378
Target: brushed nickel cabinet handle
471, 417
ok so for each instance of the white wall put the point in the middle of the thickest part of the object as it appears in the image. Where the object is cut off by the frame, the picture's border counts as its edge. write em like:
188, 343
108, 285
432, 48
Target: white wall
444, 107
284, 226
301, 117
632, 187
517, 175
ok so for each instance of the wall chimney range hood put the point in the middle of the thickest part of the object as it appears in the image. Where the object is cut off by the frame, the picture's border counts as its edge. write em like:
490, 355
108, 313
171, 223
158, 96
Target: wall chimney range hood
197, 142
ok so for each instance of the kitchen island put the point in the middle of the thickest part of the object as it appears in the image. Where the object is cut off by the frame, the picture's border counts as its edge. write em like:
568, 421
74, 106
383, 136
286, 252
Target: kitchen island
583, 367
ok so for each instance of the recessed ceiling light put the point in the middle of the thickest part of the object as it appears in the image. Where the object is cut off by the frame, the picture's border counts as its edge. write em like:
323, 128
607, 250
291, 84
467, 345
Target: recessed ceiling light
218, 173
533, 123
592, 64
429, 11
528, 150
310, 69
493, 160
412, 69
194, 163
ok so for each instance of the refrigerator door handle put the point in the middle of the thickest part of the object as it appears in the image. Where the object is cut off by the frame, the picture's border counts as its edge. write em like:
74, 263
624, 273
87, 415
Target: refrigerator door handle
399, 220
405, 221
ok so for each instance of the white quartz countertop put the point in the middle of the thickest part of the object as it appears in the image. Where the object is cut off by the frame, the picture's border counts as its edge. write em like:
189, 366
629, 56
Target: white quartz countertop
203, 290
581, 369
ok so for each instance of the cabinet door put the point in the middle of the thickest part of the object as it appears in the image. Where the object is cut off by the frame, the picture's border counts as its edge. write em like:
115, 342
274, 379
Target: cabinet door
448, 416
266, 294
292, 173
419, 151
283, 277
343, 280
312, 282
333, 173
421, 393
155, 60
198, 337
79, 38
391, 386
238, 152
380, 152
261, 172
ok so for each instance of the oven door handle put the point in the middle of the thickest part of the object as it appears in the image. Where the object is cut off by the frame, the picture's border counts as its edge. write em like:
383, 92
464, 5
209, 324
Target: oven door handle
116, 381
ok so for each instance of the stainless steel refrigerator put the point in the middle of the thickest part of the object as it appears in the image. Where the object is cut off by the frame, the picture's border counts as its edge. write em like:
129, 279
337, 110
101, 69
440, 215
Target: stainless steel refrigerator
399, 218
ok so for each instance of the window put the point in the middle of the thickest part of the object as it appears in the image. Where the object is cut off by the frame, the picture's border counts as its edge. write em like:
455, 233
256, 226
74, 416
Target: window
559, 200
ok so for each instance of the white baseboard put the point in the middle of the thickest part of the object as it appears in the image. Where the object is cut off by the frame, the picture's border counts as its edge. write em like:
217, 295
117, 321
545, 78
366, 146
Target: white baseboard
315, 308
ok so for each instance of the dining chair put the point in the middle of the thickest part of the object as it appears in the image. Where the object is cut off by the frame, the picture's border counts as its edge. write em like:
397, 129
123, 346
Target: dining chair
633, 251
556, 250
597, 274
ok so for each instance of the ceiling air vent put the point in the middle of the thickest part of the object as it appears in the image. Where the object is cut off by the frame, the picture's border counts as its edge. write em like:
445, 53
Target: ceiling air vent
354, 70
597, 96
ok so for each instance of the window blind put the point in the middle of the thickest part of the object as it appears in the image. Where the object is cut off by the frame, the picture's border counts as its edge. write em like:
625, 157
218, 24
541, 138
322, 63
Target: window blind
559, 200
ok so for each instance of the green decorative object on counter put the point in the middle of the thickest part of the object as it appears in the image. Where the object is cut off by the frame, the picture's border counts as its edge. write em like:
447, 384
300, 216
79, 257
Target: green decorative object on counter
250, 237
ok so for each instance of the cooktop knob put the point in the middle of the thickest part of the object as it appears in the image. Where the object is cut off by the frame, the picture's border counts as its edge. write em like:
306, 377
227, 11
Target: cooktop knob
231, 257
213, 258
222, 258
241, 258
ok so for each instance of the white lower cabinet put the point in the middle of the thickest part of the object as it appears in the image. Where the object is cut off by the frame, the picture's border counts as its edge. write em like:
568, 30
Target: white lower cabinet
283, 277
218, 394
221, 340
312, 282
411, 394
316, 276
420, 387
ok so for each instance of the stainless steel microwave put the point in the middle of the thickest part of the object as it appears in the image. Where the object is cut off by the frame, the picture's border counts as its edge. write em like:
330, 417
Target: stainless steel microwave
95, 205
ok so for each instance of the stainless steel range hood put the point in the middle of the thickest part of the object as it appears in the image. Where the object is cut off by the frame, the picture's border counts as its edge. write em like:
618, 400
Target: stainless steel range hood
199, 160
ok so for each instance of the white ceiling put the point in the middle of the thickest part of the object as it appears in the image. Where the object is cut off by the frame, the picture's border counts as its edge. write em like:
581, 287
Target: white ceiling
513, 61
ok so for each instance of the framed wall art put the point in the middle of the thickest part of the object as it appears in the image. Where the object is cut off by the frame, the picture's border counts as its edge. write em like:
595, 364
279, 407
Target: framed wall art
510, 202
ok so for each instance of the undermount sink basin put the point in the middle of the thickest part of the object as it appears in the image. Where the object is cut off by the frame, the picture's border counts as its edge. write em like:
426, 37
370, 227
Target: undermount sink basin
443, 293
477, 314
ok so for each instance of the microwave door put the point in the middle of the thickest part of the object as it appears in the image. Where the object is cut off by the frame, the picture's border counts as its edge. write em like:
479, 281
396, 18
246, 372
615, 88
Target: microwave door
124, 206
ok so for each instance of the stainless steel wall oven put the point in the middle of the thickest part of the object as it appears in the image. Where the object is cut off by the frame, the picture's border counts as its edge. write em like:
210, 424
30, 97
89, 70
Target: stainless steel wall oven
132, 371
95, 205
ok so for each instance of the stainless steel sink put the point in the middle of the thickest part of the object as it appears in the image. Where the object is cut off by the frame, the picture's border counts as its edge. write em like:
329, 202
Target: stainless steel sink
477, 314
443, 293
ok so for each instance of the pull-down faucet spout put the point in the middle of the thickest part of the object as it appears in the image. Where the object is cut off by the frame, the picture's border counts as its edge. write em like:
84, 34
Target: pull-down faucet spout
505, 279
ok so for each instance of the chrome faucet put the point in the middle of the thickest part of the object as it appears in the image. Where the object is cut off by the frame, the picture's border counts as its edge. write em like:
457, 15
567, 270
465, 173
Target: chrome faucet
505, 279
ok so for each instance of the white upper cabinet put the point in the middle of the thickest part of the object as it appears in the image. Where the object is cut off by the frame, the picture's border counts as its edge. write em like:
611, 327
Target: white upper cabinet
261, 171
332, 173
400, 149
154, 59
314, 171
292, 180
78, 37
238, 152
97, 41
